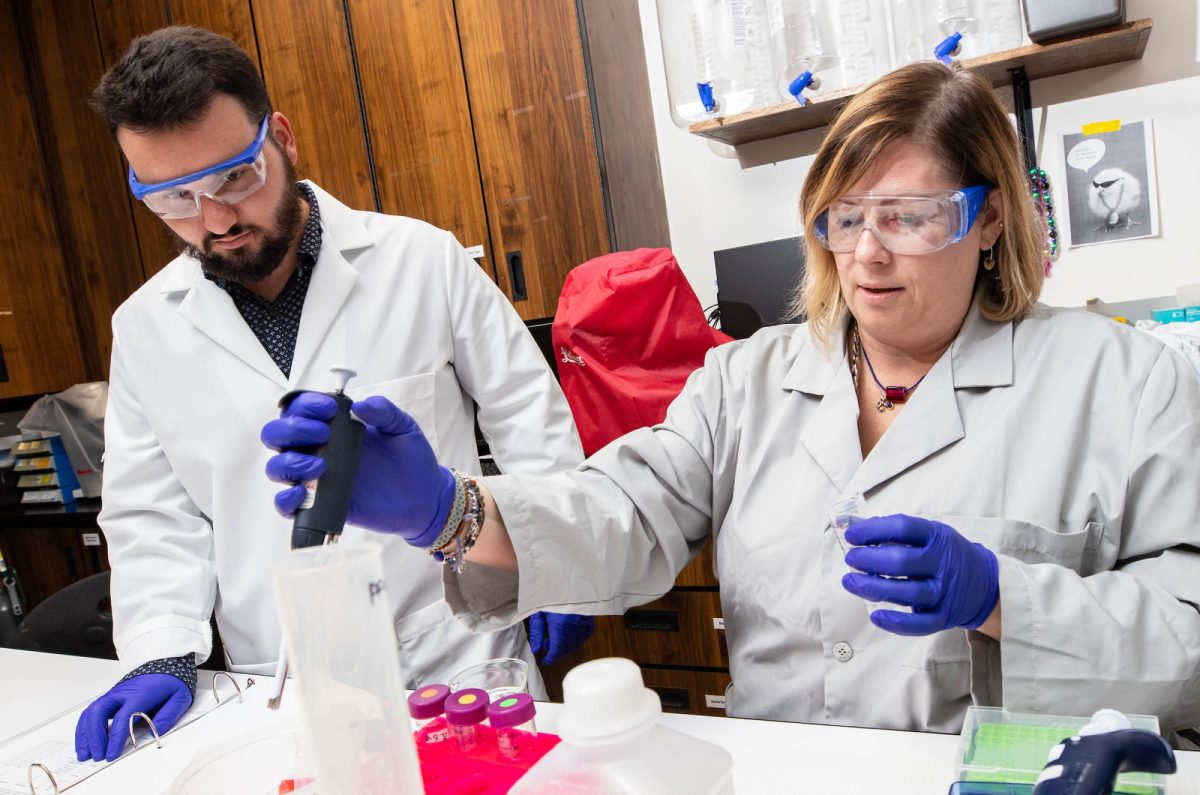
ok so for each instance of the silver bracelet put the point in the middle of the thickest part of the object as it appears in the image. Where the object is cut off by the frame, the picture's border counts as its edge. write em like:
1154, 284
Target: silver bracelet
468, 530
455, 518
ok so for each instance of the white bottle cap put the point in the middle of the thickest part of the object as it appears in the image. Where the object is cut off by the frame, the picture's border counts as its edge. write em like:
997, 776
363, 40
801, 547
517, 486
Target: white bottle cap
603, 699
1105, 720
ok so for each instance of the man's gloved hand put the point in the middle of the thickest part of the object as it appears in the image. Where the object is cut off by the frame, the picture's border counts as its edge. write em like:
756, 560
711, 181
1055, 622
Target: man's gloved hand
558, 634
947, 580
400, 488
161, 696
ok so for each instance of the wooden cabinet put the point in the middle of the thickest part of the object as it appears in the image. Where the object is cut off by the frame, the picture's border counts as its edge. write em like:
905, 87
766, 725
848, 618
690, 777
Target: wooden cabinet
524, 128
689, 691
48, 559
416, 106
39, 348
681, 629
678, 640
537, 149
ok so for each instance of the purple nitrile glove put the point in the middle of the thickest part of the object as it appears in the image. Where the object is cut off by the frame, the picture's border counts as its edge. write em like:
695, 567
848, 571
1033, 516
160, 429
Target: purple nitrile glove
947, 580
557, 634
400, 487
161, 696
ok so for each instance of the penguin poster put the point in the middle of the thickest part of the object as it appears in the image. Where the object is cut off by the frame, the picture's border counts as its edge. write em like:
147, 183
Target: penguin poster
1111, 189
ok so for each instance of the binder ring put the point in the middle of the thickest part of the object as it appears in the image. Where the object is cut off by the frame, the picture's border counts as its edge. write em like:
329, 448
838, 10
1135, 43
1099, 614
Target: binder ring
150, 723
49, 775
236, 686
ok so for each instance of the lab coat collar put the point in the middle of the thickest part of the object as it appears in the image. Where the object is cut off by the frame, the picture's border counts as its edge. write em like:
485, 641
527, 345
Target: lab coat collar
831, 436
981, 356
983, 352
212, 311
815, 366
343, 234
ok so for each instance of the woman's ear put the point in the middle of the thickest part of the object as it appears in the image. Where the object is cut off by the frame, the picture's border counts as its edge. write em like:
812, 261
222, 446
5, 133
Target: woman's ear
993, 220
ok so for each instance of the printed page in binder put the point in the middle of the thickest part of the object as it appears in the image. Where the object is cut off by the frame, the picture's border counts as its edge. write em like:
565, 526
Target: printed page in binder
52, 744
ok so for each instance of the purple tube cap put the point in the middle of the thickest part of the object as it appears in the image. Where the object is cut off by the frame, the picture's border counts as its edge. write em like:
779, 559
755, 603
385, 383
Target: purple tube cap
428, 701
511, 711
467, 707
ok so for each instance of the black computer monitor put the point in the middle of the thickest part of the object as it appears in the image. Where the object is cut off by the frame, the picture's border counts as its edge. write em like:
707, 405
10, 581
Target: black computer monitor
540, 329
755, 284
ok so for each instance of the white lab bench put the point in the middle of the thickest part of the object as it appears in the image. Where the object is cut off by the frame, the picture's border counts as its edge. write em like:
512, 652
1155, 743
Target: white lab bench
768, 757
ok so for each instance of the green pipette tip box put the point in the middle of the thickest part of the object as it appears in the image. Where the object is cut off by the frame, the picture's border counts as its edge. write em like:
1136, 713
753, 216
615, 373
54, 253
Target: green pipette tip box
1012, 747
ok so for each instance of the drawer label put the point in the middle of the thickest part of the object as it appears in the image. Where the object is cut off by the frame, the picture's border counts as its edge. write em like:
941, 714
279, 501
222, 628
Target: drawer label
91, 539
718, 623
714, 702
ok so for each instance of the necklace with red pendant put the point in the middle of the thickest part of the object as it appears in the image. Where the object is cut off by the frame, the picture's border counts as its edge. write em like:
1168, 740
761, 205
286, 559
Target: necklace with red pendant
889, 395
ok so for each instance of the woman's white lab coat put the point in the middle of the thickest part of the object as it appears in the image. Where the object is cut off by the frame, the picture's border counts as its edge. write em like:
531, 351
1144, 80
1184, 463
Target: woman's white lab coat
1065, 443
187, 508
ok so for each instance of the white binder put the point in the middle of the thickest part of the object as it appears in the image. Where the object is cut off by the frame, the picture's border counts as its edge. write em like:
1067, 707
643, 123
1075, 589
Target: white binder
42, 761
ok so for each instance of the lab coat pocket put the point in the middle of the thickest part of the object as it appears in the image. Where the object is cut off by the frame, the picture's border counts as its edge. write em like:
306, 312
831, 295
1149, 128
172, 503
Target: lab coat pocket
415, 394
936, 674
1029, 542
434, 645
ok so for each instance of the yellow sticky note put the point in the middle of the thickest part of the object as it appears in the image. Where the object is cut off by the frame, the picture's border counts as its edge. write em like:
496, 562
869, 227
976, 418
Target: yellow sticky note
1097, 127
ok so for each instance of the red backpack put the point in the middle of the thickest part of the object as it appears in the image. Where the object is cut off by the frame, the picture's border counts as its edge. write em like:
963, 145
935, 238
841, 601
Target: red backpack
628, 332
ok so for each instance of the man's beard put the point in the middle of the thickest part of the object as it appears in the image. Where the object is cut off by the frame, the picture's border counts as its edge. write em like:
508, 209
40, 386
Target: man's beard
245, 267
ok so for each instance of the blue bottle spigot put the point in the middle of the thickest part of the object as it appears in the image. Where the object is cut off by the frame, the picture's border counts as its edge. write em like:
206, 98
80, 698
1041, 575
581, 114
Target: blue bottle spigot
948, 48
806, 80
706, 97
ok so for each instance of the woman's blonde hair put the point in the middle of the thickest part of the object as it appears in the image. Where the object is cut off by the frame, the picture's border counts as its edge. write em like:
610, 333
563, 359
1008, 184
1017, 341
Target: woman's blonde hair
957, 117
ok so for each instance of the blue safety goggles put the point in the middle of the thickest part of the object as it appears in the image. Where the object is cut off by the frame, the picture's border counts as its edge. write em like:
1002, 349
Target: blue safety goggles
227, 182
911, 222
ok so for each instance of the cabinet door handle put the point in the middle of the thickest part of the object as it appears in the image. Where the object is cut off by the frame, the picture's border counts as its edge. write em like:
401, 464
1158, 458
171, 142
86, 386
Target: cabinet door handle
673, 697
516, 275
652, 620
69, 559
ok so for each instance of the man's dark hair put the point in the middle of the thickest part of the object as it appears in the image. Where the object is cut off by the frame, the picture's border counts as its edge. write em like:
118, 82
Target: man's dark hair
168, 79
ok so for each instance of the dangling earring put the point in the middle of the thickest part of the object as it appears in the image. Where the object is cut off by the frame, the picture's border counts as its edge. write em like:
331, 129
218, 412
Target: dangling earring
990, 262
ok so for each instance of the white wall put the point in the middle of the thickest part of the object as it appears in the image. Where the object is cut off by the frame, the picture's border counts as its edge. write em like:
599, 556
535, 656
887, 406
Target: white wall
715, 203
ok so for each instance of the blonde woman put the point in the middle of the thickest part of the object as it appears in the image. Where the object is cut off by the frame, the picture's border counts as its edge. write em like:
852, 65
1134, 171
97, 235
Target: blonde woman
1029, 481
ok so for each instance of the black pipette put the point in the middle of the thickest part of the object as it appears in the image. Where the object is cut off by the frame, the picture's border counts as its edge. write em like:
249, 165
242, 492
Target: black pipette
322, 516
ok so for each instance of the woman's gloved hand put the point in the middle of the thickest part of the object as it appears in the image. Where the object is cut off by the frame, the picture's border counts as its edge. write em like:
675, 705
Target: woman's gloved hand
558, 634
947, 580
400, 487
161, 696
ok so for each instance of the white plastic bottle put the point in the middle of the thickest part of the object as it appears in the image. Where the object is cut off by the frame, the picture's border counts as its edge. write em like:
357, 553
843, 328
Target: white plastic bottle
717, 57
987, 26
612, 743
842, 42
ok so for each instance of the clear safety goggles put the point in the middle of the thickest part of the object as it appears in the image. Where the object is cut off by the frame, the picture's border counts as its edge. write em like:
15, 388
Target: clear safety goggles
226, 183
913, 222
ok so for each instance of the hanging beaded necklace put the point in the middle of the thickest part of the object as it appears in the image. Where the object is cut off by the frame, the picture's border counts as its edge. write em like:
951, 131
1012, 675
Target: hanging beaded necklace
1043, 200
890, 395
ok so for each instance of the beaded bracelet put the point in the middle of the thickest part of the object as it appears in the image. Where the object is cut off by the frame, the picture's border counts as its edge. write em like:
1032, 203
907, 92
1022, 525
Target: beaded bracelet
455, 517
467, 531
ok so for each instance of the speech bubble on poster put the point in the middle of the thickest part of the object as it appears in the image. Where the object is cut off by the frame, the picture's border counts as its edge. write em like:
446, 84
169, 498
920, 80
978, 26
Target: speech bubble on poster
1086, 154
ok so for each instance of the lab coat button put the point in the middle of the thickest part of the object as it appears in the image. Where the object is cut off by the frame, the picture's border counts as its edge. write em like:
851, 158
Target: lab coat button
842, 651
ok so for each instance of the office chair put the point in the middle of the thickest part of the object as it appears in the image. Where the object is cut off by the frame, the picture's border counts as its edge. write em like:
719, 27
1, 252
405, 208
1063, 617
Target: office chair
76, 620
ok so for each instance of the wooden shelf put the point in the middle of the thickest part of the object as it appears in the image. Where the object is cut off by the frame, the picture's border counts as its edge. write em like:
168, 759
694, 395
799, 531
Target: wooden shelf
1125, 42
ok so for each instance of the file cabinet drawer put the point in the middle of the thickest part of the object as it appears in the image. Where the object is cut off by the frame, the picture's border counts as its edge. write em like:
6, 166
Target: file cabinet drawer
691, 692
682, 628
